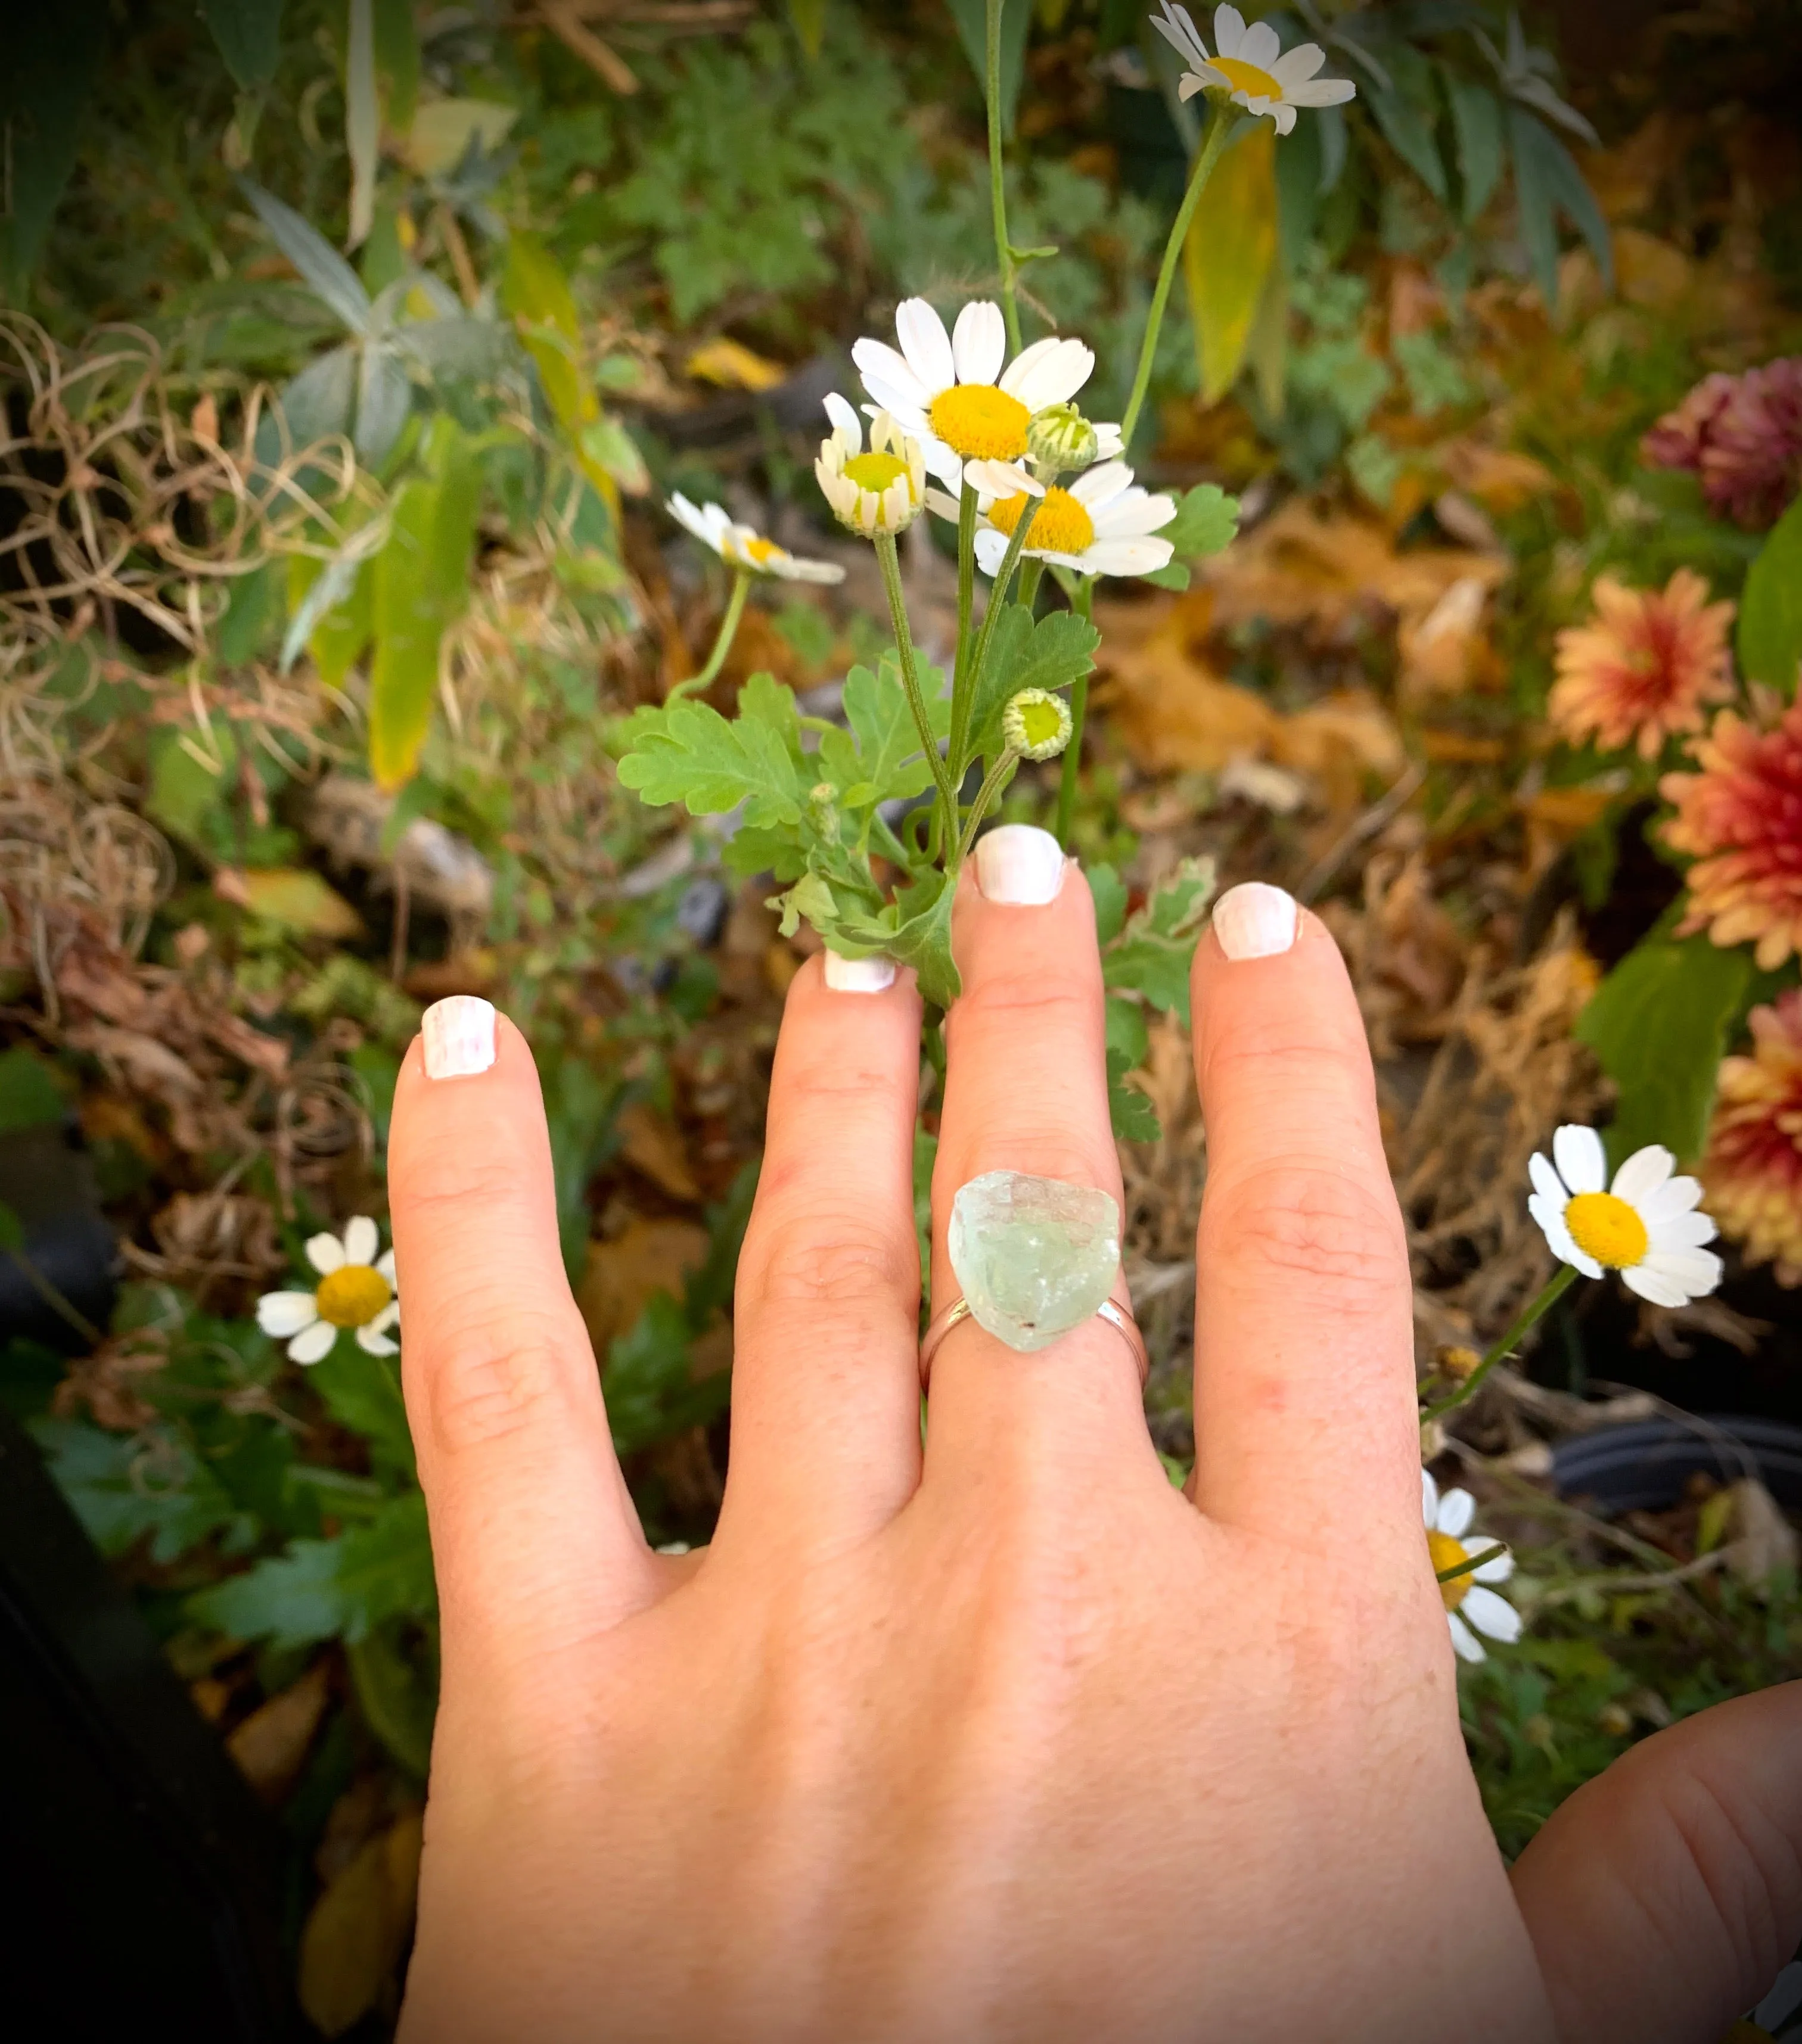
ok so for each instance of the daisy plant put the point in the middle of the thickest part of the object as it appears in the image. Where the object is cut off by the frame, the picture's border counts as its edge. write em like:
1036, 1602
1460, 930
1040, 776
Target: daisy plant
865, 818
1645, 1224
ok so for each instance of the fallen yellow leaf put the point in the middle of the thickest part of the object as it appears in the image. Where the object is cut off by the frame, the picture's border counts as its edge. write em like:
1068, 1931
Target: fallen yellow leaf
293, 896
357, 1930
733, 367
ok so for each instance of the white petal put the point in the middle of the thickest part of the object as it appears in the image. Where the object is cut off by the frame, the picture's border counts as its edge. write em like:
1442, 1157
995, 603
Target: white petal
1109, 445
1101, 484
979, 342
1179, 30
945, 506
1582, 1163
1546, 1182
688, 514
1322, 92
325, 1252
1295, 67
1492, 1616
1467, 1646
925, 345
313, 1343
1674, 1196
1560, 1241
362, 1239
794, 567
1127, 557
876, 358
1456, 1509
845, 420
1429, 1499
1782, 2002
386, 1319
990, 545
284, 1313
1000, 479
1229, 31
909, 416
373, 1342
1048, 373
1133, 514
944, 461
1654, 1286
385, 1263
1495, 1571
1262, 46
1191, 84
1642, 1174
1285, 116
1681, 1231
1674, 1277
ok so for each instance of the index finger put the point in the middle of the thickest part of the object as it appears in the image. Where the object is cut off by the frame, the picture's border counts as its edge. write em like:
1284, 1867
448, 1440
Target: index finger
1304, 1342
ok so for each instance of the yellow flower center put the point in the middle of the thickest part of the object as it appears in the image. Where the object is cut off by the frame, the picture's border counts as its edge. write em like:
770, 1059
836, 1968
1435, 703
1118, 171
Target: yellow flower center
1061, 525
352, 1295
875, 471
1248, 78
980, 422
1040, 722
1447, 1554
759, 552
1607, 1228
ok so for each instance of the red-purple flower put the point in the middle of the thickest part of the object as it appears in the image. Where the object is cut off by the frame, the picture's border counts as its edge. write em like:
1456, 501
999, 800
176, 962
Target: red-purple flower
1742, 434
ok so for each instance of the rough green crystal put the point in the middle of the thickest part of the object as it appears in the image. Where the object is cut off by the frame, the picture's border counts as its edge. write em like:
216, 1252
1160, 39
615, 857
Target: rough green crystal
1034, 1257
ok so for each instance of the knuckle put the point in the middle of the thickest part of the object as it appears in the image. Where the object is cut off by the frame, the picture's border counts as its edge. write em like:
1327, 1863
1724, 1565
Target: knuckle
1308, 1219
1019, 1002
1043, 1151
488, 1386
811, 1258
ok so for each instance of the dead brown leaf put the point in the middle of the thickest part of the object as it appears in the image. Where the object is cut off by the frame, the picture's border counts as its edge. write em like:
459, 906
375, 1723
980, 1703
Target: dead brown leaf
272, 1745
358, 1928
651, 1142
621, 1275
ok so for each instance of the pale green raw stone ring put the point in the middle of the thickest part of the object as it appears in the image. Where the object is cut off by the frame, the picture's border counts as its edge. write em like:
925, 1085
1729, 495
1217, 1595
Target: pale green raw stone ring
1034, 1257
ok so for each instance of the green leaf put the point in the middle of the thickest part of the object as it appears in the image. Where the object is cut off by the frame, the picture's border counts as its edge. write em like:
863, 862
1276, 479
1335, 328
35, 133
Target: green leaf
1126, 1029
1152, 956
1206, 522
1134, 1118
1770, 609
809, 19
248, 33
1658, 1024
1547, 179
332, 607
651, 1392
419, 586
189, 783
397, 61
1228, 254
914, 927
688, 753
363, 118
810, 896
887, 739
326, 1589
123, 1488
972, 33
1476, 123
1109, 893
1406, 111
399, 1697
1052, 654
766, 701
12, 1230
53, 54
29, 1095
1298, 192
322, 269
362, 1392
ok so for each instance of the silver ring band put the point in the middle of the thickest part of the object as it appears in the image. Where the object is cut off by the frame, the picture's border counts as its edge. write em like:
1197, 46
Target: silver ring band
961, 1310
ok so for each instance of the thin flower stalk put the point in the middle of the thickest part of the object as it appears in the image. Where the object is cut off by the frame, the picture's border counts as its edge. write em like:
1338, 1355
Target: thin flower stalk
1555, 1289
979, 658
960, 675
699, 684
998, 776
1003, 249
891, 565
1083, 602
1219, 128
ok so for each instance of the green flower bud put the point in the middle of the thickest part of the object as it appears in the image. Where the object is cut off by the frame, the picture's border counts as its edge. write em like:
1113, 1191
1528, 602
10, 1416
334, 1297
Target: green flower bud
1037, 724
1060, 438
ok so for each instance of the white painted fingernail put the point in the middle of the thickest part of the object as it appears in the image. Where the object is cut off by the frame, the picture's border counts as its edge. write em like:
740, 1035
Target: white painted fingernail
863, 975
459, 1036
1255, 921
1019, 866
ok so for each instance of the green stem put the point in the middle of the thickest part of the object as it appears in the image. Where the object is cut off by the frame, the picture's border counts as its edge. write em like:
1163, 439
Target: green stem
1469, 1564
997, 597
1030, 576
891, 564
1566, 1276
1218, 128
887, 843
985, 794
1084, 603
699, 684
966, 595
1003, 250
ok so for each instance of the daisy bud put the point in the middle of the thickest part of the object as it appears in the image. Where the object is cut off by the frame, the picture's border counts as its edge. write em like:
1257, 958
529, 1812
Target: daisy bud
1037, 724
1060, 438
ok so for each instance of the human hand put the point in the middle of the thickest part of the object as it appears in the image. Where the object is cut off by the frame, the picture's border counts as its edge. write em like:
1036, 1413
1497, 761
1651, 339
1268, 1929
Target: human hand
1004, 1737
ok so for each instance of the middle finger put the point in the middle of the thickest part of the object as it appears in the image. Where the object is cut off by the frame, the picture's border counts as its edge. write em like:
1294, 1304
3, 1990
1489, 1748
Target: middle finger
1026, 1090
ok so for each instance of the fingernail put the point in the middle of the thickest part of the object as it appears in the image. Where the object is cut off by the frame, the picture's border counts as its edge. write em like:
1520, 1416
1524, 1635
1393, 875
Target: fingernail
459, 1036
1019, 866
1255, 919
863, 975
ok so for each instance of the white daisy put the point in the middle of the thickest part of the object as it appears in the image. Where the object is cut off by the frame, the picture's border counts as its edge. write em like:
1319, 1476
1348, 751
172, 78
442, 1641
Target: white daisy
1250, 66
355, 1289
741, 547
1644, 1225
1103, 524
971, 416
879, 491
1470, 1607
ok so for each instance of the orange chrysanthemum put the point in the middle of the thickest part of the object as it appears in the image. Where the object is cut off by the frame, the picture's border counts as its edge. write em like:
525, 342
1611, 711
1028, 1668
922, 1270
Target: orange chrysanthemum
1742, 817
1645, 666
1753, 1168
